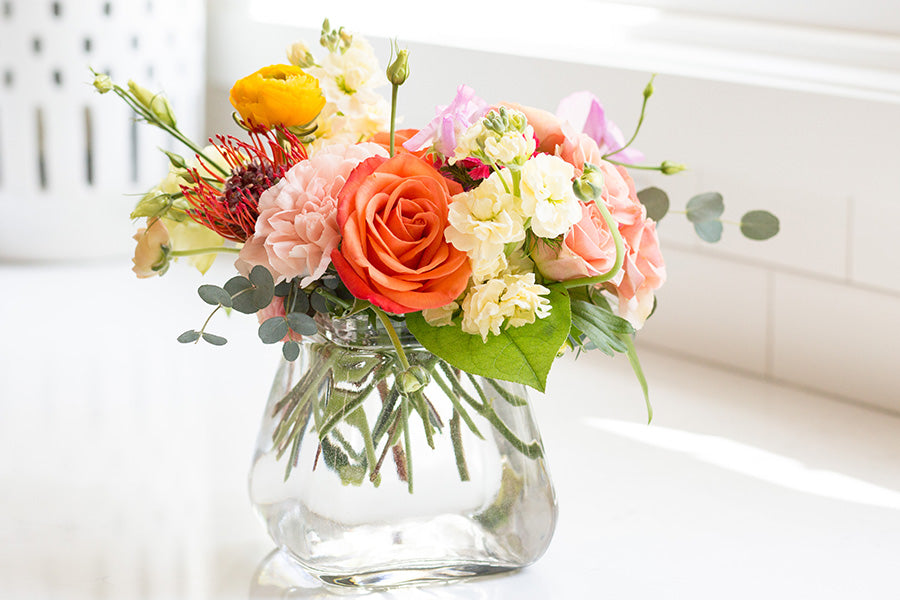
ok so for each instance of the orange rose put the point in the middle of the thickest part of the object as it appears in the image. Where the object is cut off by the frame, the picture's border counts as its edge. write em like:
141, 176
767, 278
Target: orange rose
392, 213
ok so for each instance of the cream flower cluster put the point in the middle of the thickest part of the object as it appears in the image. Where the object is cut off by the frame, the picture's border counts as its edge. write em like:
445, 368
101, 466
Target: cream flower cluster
483, 221
501, 137
513, 299
354, 110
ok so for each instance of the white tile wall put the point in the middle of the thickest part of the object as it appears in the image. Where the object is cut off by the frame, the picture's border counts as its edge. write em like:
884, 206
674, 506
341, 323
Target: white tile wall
711, 309
826, 165
875, 243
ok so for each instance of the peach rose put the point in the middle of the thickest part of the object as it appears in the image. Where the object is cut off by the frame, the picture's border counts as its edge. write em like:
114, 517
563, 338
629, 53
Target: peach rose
579, 148
588, 249
392, 214
297, 225
643, 272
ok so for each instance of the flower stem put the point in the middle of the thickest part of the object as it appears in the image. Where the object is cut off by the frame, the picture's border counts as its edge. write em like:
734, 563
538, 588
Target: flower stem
630, 166
636, 129
196, 251
395, 339
620, 252
394, 89
407, 443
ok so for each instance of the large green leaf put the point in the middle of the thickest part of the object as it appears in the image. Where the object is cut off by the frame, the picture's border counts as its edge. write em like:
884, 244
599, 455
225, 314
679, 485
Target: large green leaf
705, 207
519, 354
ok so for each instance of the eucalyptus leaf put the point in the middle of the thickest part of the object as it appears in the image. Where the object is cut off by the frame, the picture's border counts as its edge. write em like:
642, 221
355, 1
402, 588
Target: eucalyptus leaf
283, 289
213, 294
240, 289
273, 330
518, 354
302, 323
759, 225
709, 231
656, 201
318, 303
299, 302
291, 350
215, 340
189, 336
705, 207
265, 286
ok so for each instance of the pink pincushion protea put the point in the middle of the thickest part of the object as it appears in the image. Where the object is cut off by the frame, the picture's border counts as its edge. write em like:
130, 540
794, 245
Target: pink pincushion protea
297, 226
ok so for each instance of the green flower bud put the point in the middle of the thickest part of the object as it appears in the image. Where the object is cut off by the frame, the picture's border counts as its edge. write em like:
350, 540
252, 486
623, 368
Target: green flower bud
102, 83
398, 71
670, 168
589, 186
413, 379
648, 91
157, 104
298, 54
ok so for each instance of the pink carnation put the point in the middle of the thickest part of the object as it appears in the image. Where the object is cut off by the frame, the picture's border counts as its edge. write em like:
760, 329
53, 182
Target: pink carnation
297, 226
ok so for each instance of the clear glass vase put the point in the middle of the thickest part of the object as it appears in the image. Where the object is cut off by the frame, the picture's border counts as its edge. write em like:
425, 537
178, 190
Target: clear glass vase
373, 475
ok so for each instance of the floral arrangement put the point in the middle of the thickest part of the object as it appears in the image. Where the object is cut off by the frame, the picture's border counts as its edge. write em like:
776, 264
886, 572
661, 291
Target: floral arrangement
499, 235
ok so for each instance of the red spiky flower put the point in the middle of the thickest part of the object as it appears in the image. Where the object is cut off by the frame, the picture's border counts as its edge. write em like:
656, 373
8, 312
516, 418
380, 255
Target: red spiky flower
229, 204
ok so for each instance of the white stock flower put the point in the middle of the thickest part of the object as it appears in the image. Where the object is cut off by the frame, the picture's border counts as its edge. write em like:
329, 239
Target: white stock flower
352, 70
523, 300
548, 197
481, 309
513, 300
510, 146
482, 222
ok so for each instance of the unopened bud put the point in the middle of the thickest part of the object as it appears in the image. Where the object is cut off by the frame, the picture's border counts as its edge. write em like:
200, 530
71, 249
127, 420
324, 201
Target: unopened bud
398, 71
413, 379
157, 104
298, 54
648, 91
102, 83
589, 186
670, 168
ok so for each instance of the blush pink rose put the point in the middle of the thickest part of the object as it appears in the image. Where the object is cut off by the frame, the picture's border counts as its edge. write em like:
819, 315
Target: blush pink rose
297, 230
643, 272
587, 250
578, 148
548, 129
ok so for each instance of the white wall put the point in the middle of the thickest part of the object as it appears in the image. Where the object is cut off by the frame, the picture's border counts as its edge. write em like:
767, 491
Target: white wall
813, 141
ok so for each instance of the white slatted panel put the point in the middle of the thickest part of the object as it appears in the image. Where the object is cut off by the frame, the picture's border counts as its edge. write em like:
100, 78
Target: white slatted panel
70, 192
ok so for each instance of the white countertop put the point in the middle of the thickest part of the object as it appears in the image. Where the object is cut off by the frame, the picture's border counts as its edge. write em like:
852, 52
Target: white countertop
124, 459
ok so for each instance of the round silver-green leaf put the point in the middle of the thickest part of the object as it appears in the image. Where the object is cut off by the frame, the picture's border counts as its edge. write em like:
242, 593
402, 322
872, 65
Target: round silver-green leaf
189, 336
291, 350
656, 201
213, 294
705, 207
273, 330
709, 231
759, 225
215, 340
302, 323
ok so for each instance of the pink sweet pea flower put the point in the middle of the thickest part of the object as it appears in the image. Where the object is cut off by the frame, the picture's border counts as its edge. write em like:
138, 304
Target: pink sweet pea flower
449, 122
584, 111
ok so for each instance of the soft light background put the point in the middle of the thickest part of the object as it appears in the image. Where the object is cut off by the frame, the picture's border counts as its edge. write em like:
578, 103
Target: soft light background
124, 453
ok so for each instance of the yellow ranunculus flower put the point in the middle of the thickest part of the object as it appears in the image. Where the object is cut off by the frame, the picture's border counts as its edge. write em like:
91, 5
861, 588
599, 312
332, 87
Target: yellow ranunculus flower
277, 95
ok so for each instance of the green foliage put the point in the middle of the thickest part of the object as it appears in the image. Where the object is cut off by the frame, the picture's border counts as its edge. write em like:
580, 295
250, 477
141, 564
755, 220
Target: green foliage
189, 336
273, 330
291, 350
239, 289
264, 283
600, 326
302, 323
709, 231
759, 225
213, 294
705, 207
519, 354
656, 201
215, 340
